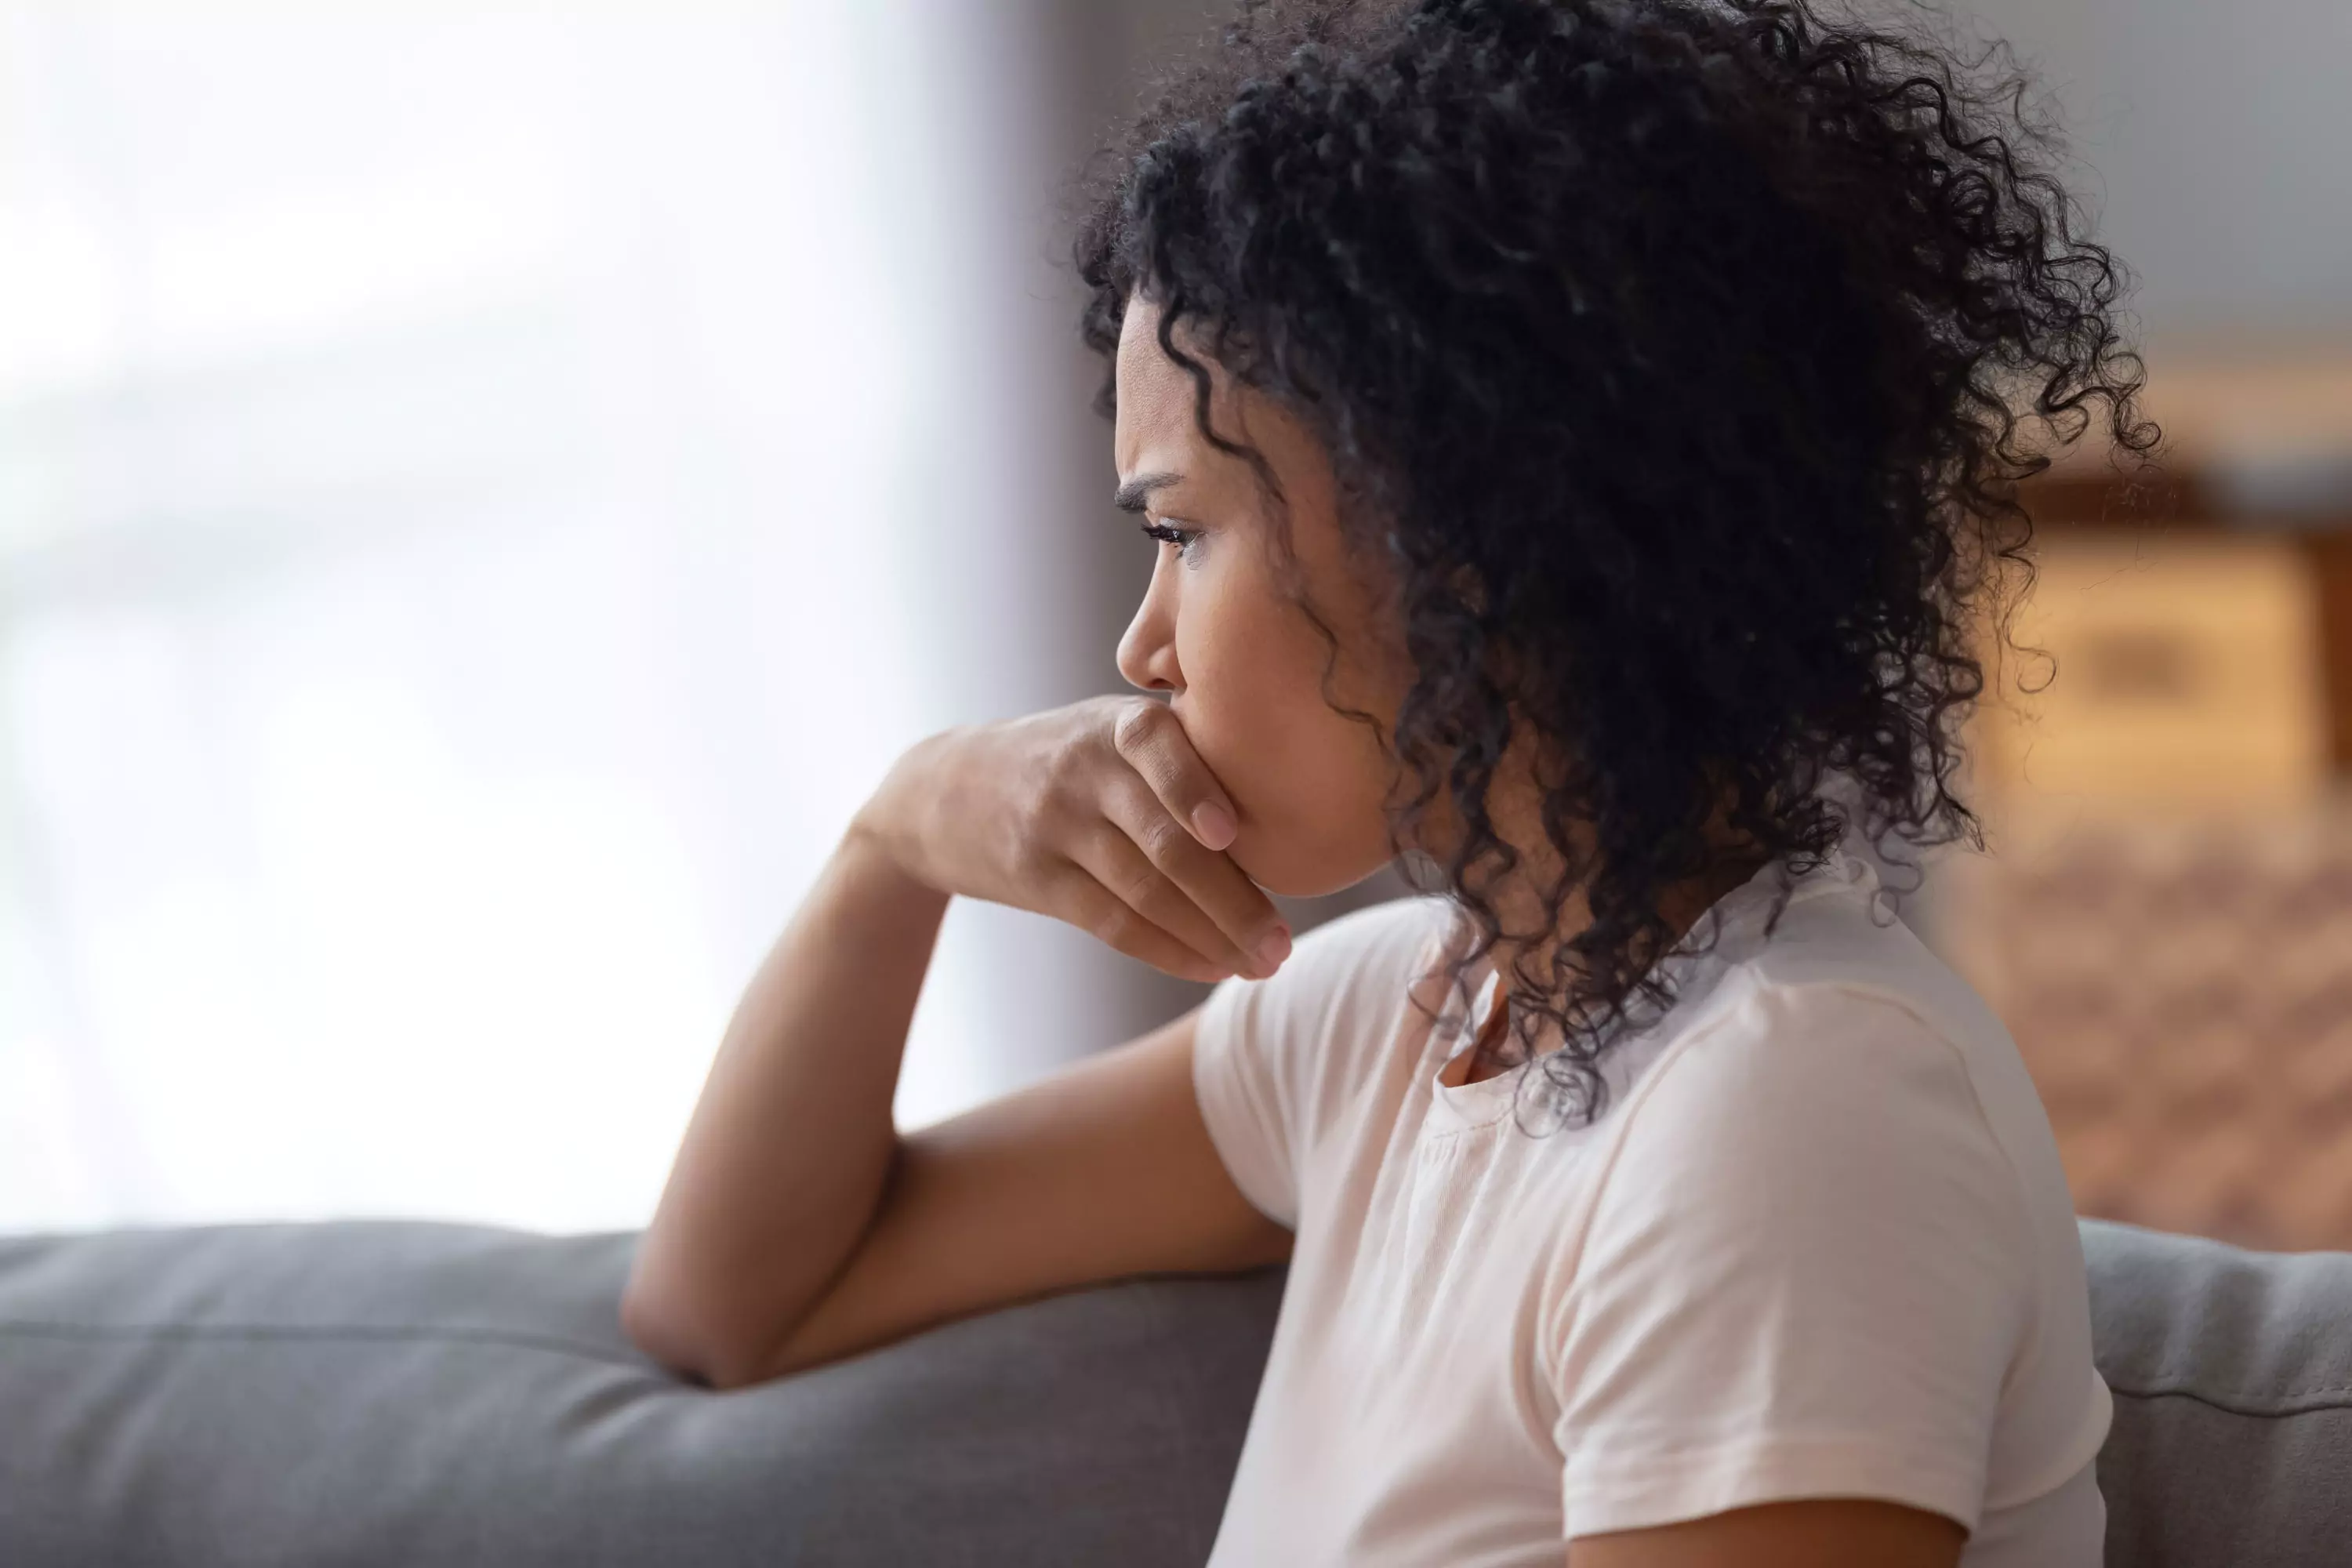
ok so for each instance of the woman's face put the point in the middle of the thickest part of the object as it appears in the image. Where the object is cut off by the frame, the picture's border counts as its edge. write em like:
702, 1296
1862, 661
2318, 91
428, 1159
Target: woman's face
1222, 633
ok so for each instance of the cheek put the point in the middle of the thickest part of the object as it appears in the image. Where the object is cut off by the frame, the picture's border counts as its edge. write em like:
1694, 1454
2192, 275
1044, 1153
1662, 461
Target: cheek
1250, 701
1306, 779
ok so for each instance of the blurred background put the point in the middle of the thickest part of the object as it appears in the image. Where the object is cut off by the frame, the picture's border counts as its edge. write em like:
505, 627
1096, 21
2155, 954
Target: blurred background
486, 490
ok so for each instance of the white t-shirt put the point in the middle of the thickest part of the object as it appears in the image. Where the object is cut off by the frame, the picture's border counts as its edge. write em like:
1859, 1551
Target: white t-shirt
1819, 1244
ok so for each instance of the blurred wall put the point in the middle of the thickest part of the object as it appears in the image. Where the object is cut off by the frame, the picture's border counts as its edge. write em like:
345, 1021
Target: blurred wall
2209, 138
483, 495
2212, 137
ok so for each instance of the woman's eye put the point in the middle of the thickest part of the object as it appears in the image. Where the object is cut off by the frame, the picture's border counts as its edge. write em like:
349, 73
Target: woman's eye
1181, 538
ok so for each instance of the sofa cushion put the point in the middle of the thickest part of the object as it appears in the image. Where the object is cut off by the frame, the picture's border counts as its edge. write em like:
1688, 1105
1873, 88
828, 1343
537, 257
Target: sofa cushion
370, 1393
2232, 1378
376, 1393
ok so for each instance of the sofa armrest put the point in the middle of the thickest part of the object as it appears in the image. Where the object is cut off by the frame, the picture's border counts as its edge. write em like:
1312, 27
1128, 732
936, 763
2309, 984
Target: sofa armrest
379, 1392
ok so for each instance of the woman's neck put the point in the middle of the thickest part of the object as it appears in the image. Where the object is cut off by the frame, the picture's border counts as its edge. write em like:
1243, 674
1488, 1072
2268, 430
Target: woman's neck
1683, 906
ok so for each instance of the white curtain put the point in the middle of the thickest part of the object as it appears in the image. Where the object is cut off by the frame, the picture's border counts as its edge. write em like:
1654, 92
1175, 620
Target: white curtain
483, 494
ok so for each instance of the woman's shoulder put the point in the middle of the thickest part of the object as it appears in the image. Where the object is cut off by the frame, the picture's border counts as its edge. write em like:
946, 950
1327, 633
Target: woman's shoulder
1847, 1003
1833, 983
1845, 1026
1851, 1137
1812, 1240
1846, 1084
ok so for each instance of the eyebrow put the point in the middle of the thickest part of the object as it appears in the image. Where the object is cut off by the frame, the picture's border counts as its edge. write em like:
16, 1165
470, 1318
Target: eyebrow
1131, 494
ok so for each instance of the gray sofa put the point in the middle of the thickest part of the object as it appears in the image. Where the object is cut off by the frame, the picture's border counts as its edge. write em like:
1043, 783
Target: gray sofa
374, 1392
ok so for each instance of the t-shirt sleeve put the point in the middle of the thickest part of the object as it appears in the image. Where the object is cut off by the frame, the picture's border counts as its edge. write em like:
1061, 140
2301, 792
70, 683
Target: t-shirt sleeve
1276, 1062
1806, 1273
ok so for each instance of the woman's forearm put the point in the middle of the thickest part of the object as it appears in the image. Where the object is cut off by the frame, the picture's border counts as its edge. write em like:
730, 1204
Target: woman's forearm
788, 1160
790, 1148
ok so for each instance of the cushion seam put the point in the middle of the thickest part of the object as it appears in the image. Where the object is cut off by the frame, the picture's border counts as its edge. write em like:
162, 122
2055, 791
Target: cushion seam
2223, 1402
34, 1329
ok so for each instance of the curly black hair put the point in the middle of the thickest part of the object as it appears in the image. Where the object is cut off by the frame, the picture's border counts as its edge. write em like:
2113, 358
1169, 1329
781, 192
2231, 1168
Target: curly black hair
1683, 358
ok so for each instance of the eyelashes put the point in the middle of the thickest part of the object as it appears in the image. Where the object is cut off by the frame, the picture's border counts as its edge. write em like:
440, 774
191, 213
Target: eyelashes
1183, 539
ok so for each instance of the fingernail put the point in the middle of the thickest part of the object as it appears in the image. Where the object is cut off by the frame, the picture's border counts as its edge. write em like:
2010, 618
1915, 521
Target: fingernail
1212, 824
1272, 948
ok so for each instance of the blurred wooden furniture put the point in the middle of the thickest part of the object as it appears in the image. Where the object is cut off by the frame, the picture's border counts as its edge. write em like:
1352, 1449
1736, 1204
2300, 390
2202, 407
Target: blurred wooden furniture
2186, 669
2179, 982
2165, 919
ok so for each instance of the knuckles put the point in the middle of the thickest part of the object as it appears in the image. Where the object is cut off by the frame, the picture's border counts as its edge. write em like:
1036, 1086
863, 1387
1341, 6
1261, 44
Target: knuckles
1139, 723
1163, 842
1142, 888
1115, 926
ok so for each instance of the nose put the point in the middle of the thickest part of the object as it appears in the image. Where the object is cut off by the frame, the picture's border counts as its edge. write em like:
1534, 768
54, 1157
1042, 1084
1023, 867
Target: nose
1146, 651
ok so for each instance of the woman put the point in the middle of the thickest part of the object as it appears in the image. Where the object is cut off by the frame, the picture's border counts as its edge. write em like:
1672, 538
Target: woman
1580, 439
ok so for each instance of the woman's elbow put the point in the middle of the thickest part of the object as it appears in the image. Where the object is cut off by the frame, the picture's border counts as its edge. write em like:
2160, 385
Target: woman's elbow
685, 1342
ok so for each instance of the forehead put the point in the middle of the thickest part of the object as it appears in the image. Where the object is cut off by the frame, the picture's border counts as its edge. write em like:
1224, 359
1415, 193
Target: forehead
1155, 394
1157, 429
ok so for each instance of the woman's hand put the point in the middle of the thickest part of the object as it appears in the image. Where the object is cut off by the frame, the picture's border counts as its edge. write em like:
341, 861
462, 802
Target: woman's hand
1099, 814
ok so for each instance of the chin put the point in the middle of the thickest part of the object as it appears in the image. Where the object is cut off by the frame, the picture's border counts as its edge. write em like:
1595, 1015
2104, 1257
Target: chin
1291, 865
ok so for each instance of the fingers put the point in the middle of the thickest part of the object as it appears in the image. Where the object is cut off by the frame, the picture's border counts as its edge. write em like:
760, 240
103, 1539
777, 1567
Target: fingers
1200, 897
1148, 735
1119, 863
1180, 789
1196, 894
1094, 908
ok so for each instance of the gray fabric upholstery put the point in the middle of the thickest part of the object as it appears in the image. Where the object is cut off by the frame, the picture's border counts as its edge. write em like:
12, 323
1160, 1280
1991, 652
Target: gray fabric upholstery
2233, 1377
377, 1393
374, 1392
